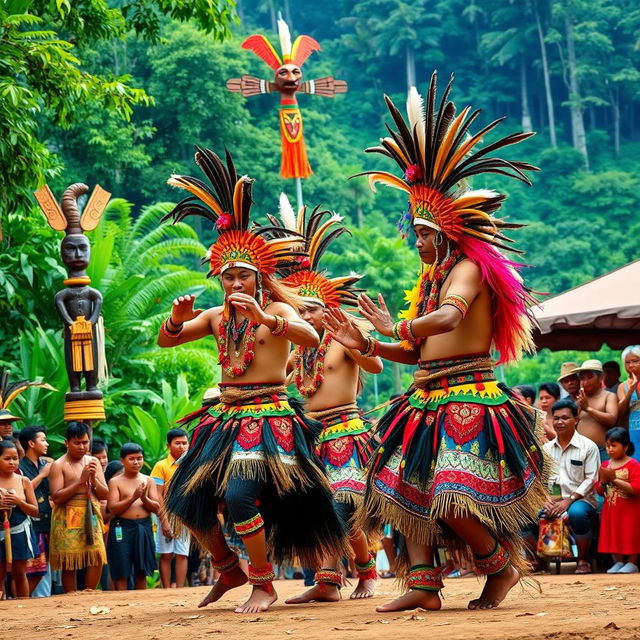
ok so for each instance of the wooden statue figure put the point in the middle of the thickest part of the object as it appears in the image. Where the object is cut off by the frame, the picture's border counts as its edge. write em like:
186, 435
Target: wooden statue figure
288, 82
78, 304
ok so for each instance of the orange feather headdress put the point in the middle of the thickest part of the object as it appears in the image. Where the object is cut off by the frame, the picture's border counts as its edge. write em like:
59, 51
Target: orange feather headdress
227, 204
437, 155
319, 229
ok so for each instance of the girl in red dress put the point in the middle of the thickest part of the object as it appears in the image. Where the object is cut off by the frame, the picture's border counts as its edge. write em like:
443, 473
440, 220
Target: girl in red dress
619, 482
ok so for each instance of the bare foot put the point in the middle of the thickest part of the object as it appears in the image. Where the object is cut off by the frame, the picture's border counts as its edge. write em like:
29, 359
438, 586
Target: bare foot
261, 599
365, 589
496, 589
413, 599
228, 580
321, 592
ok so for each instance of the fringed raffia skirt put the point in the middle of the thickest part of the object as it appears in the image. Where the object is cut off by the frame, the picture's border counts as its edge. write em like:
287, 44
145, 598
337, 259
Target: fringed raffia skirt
460, 446
342, 448
262, 436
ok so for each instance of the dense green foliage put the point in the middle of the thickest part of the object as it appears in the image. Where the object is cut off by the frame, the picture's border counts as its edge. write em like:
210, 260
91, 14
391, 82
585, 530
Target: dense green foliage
118, 93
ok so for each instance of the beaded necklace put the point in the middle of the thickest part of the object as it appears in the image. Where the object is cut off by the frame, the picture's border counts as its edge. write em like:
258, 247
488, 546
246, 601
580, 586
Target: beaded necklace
309, 362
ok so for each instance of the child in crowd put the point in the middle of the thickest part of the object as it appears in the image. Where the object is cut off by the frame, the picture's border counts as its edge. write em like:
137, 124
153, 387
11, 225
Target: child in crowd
169, 545
132, 500
17, 503
619, 482
76, 482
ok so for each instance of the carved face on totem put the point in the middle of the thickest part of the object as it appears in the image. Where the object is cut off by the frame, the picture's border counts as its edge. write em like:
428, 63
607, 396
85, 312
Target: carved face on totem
76, 252
288, 78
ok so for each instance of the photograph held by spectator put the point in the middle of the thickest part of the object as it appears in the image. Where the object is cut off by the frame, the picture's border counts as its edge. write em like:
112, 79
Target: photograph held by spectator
548, 394
36, 467
629, 396
598, 407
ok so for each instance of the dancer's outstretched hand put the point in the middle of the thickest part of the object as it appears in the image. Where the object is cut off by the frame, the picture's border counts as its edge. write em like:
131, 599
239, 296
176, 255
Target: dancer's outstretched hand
183, 311
378, 316
343, 329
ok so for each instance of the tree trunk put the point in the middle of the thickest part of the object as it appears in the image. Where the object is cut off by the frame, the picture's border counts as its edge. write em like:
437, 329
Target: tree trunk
547, 83
577, 119
524, 97
411, 67
272, 15
615, 104
360, 215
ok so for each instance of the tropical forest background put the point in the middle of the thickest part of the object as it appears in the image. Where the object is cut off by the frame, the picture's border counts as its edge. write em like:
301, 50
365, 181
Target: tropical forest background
118, 93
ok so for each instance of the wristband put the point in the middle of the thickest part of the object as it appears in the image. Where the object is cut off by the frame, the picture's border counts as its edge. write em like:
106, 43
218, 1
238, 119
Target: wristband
458, 302
371, 350
282, 326
169, 333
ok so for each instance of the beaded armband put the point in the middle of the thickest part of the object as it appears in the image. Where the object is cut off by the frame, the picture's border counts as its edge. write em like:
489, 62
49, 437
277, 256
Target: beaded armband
367, 571
458, 302
371, 350
262, 577
494, 563
329, 576
282, 326
402, 331
425, 578
167, 331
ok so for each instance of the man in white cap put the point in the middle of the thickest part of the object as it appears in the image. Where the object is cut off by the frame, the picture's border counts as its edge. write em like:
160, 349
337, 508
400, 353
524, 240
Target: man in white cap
598, 407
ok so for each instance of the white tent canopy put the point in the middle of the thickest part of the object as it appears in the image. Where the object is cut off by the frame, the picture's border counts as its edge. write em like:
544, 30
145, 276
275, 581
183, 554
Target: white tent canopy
603, 311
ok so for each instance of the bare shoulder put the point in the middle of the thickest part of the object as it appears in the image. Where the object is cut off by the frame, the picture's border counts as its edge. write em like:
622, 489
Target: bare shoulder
280, 308
56, 464
25, 481
466, 269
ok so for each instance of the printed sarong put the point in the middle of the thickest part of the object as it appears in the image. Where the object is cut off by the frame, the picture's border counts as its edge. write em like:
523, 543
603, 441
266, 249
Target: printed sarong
342, 448
462, 445
261, 436
68, 546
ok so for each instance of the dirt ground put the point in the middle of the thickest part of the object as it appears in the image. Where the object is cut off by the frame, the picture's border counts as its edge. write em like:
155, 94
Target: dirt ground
580, 607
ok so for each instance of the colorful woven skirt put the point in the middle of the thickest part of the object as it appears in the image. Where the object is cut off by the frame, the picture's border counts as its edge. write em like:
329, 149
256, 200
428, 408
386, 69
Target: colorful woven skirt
342, 448
264, 437
461, 446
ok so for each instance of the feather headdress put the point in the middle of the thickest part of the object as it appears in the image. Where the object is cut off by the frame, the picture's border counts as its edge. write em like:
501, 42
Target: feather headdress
227, 204
437, 155
296, 53
9, 391
318, 229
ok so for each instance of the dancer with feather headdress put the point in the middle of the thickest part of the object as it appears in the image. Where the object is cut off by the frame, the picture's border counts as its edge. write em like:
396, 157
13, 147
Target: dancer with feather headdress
458, 463
328, 377
254, 449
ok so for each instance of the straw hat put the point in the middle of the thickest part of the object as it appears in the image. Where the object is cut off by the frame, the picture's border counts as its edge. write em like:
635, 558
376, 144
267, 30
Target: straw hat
7, 416
591, 365
567, 369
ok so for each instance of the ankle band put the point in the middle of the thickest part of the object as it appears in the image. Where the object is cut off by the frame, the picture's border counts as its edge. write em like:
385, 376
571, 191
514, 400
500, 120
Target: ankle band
249, 527
226, 564
262, 577
329, 576
495, 562
425, 578
367, 571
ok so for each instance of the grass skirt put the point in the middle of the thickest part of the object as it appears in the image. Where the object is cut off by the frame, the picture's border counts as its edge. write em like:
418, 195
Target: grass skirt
264, 437
462, 446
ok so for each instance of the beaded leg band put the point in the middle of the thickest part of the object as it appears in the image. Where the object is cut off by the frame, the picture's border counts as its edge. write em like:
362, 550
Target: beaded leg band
496, 562
425, 578
249, 527
226, 564
367, 571
262, 577
329, 576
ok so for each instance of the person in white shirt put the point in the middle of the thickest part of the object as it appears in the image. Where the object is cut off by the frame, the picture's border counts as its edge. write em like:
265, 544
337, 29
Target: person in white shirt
576, 463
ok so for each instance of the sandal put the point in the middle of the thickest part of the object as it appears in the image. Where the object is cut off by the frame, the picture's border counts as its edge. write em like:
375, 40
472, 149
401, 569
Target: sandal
583, 567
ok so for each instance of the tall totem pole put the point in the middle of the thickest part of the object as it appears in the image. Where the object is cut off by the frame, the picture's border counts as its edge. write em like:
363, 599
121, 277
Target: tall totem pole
287, 82
78, 304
